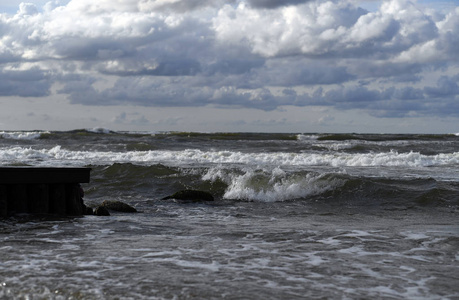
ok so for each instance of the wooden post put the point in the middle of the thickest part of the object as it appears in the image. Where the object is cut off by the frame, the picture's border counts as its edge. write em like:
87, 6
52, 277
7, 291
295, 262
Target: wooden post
3, 201
38, 198
74, 205
19, 194
57, 202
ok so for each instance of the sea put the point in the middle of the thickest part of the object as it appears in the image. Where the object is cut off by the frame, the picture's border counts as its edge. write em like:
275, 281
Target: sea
295, 216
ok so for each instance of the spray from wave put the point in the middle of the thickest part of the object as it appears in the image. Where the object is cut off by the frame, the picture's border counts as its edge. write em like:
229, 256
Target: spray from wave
271, 185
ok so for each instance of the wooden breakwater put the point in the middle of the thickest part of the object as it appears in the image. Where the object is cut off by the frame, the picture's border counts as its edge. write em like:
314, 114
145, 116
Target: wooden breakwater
36, 190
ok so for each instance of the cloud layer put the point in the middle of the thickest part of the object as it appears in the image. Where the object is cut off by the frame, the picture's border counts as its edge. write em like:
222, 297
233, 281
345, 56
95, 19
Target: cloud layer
400, 60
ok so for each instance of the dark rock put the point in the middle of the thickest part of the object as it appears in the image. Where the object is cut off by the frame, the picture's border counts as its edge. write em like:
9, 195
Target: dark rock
192, 195
87, 210
101, 211
118, 206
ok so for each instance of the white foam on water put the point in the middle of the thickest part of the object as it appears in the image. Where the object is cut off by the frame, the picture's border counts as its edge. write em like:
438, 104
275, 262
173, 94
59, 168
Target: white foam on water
58, 154
277, 189
271, 185
330, 241
415, 236
213, 266
278, 260
307, 137
408, 269
161, 253
70, 247
22, 135
337, 146
315, 259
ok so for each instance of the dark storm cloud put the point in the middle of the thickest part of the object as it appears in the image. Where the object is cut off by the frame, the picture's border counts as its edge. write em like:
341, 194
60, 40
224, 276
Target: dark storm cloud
94, 49
28, 83
189, 5
175, 67
297, 72
234, 65
274, 3
446, 87
392, 102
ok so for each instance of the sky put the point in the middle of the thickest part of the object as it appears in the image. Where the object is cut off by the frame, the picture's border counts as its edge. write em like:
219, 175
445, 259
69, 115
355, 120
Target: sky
230, 65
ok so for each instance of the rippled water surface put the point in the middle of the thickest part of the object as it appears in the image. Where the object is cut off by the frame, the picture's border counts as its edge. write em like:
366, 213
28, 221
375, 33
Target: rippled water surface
233, 251
294, 217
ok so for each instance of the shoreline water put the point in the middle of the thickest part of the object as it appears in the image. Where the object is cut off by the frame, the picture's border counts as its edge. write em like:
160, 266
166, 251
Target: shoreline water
208, 253
295, 216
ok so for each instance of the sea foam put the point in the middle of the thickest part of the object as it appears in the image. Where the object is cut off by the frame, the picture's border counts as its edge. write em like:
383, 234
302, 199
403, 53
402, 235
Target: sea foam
59, 155
22, 135
271, 185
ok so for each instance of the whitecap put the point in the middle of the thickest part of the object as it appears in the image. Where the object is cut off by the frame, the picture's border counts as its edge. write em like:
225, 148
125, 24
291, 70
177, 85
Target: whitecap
22, 135
99, 130
58, 156
276, 185
307, 137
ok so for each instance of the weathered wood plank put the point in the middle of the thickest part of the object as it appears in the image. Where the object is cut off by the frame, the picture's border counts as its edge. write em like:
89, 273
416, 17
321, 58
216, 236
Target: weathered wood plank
42, 190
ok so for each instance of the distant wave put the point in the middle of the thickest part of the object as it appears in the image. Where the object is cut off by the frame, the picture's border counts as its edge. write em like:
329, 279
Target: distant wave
22, 135
99, 130
307, 137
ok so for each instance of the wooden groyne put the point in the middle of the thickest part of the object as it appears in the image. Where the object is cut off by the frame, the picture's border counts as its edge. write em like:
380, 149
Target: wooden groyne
42, 190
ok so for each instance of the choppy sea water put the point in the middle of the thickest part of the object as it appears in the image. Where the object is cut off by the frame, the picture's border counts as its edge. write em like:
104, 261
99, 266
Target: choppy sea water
295, 216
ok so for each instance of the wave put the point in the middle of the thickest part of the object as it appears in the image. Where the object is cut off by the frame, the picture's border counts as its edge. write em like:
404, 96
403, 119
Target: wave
271, 185
335, 188
276, 184
38, 134
99, 130
242, 184
383, 137
22, 135
195, 156
237, 136
307, 137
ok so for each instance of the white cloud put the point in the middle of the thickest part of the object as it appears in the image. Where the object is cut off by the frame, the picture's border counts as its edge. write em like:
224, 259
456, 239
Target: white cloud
259, 54
304, 29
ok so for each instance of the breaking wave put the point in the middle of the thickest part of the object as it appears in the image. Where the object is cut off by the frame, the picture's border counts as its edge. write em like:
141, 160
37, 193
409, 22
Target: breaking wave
271, 186
99, 130
250, 183
194, 156
22, 135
